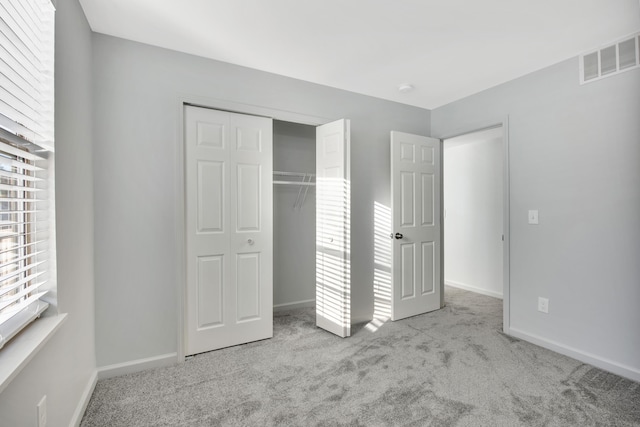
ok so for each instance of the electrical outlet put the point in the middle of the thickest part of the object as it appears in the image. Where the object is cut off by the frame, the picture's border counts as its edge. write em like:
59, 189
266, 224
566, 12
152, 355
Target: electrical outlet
543, 305
533, 217
42, 412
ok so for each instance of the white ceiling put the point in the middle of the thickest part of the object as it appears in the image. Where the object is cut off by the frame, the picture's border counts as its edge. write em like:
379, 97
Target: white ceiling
447, 49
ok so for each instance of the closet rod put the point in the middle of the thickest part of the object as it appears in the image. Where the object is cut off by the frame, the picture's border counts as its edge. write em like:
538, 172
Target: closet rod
306, 182
306, 178
298, 174
295, 183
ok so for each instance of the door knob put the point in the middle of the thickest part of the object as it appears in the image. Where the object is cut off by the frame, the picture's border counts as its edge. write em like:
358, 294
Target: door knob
250, 241
398, 236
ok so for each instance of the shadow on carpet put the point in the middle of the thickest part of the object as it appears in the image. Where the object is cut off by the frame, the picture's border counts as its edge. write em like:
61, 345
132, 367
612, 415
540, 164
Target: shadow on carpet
449, 367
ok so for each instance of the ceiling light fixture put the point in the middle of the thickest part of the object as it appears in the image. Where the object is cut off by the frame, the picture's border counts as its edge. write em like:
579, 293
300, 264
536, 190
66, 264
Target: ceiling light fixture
405, 88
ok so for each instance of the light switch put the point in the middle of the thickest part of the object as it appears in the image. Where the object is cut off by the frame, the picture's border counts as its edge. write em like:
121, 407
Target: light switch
533, 217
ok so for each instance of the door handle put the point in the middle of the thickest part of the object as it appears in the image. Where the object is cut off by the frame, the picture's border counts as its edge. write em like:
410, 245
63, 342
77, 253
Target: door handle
250, 241
398, 236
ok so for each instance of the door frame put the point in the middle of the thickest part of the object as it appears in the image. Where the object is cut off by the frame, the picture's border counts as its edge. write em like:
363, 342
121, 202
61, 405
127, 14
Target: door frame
506, 250
180, 231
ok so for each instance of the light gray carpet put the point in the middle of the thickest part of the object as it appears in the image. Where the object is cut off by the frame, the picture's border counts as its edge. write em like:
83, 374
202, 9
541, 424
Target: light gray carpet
450, 367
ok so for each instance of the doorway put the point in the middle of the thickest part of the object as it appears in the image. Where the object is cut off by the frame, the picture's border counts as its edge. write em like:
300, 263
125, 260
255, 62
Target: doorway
474, 199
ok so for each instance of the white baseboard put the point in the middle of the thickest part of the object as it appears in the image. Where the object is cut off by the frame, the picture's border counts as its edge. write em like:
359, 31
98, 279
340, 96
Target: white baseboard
473, 289
84, 400
597, 361
294, 305
137, 365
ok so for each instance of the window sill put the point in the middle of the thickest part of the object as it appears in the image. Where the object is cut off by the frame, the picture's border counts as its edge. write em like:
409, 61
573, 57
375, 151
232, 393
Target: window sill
17, 353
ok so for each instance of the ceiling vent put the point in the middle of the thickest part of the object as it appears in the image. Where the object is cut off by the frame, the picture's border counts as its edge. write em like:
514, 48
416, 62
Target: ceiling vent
611, 59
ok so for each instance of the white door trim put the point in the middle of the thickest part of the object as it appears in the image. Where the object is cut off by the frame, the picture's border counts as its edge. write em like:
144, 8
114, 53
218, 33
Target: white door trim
506, 250
180, 229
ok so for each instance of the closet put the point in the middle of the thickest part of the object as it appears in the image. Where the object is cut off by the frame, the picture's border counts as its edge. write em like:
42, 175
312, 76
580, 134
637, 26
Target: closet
294, 215
262, 232
312, 234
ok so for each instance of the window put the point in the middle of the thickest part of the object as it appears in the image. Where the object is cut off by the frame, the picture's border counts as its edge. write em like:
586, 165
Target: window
26, 141
23, 241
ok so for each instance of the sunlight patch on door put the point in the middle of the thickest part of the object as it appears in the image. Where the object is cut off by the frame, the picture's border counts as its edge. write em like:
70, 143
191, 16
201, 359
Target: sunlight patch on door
382, 267
333, 269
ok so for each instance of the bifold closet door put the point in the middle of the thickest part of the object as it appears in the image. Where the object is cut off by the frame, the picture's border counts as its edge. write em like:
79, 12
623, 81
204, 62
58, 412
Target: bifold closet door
416, 228
229, 229
333, 219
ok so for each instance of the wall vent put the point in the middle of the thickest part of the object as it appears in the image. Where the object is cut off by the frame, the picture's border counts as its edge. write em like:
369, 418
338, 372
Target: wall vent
610, 59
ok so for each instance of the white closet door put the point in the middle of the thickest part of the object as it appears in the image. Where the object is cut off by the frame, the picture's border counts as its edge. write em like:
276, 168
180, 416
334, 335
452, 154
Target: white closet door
415, 217
229, 235
333, 211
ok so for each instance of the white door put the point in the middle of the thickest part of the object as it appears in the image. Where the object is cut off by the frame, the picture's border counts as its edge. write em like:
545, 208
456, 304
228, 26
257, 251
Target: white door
415, 218
333, 211
229, 235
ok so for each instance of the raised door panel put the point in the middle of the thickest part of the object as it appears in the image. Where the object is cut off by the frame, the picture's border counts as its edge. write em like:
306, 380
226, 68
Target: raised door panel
407, 152
427, 155
210, 291
211, 134
407, 200
248, 197
427, 186
332, 145
249, 140
210, 196
248, 288
428, 268
408, 277
250, 136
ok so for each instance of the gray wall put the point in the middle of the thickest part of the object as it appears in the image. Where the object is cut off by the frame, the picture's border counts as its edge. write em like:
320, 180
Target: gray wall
294, 230
137, 90
575, 156
64, 367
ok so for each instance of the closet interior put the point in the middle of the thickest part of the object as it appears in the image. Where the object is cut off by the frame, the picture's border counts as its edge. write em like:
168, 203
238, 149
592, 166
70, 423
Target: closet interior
294, 215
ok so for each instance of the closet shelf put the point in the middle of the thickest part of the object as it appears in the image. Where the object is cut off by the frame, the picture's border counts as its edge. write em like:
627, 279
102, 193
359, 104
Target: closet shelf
300, 179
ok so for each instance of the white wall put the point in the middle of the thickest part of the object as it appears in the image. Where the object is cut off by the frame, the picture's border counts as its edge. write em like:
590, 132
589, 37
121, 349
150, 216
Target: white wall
137, 91
472, 169
294, 230
64, 367
575, 156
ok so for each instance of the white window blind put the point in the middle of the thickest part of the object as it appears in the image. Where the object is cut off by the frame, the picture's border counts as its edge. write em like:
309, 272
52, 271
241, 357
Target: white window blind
26, 70
24, 236
26, 137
